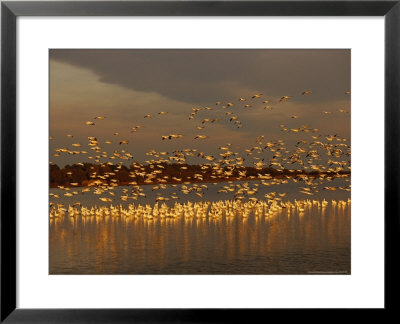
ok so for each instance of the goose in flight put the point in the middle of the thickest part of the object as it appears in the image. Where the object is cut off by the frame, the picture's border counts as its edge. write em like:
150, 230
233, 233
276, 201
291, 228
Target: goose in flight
134, 129
284, 98
201, 136
171, 136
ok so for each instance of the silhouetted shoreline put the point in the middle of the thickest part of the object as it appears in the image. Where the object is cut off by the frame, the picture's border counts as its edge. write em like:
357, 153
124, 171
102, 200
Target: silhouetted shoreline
87, 174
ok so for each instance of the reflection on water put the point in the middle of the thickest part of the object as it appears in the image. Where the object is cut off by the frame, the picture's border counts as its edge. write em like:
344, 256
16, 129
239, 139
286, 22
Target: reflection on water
305, 238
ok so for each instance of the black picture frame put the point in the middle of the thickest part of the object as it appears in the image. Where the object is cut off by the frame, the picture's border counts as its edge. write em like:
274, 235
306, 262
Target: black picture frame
10, 10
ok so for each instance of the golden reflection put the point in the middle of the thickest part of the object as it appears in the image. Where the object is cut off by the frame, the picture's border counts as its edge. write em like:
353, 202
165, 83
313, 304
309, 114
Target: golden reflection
138, 235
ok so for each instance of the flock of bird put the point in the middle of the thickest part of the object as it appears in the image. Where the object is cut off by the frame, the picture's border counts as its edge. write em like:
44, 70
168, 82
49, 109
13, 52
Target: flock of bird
327, 155
199, 210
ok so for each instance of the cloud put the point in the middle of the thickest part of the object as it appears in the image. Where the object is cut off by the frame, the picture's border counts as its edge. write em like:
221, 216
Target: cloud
200, 76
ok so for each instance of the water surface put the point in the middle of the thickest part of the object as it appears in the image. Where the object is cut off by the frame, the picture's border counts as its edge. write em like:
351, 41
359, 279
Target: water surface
316, 240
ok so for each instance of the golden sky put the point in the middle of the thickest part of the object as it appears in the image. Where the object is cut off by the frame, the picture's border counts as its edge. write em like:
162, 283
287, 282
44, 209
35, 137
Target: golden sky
126, 85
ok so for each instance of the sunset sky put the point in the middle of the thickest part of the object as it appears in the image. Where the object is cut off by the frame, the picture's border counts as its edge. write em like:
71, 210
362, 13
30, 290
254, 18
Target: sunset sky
126, 85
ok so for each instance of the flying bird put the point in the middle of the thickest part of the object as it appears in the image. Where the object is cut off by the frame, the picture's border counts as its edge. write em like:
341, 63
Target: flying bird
201, 137
284, 98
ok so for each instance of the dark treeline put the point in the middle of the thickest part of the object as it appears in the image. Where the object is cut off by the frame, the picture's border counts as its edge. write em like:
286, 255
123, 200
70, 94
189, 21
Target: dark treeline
86, 173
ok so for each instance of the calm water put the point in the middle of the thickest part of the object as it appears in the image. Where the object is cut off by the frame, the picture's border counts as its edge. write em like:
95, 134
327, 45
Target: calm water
289, 242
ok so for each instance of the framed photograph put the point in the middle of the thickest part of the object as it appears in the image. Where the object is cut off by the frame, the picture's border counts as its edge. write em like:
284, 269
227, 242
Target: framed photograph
190, 161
